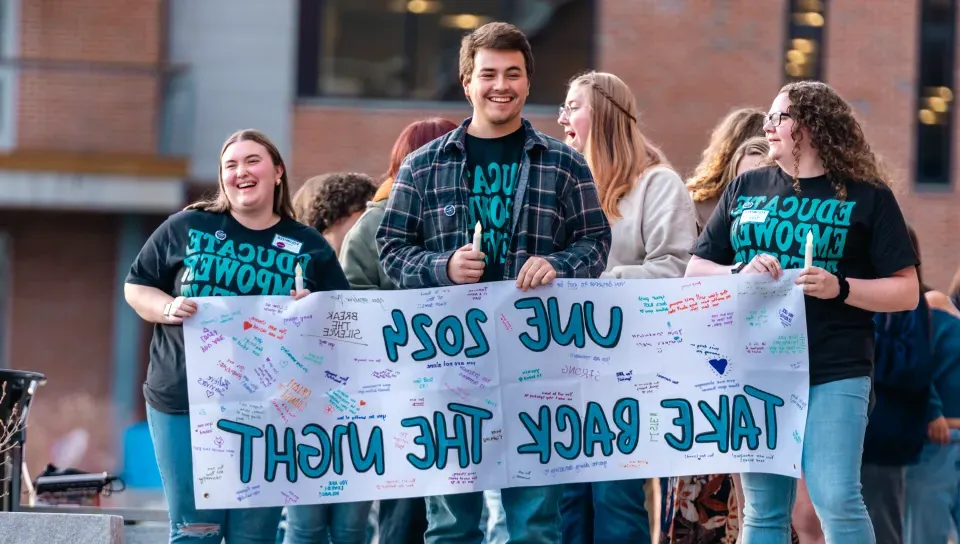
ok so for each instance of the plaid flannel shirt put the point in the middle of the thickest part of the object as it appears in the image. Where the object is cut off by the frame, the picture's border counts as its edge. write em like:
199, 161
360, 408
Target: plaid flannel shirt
556, 213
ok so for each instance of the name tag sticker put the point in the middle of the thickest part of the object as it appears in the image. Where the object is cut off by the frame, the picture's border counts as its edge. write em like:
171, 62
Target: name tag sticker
754, 216
287, 244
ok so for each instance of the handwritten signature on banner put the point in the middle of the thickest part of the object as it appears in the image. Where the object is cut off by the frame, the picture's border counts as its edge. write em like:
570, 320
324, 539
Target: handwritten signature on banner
346, 396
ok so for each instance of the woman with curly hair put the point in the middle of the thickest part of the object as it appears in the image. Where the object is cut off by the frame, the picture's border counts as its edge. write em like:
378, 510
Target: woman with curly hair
714, 171
828, 182
332, 203
705, 509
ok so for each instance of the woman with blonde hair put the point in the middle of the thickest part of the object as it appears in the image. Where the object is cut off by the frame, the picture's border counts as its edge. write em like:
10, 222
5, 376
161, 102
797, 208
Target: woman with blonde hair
653, 225
717, 166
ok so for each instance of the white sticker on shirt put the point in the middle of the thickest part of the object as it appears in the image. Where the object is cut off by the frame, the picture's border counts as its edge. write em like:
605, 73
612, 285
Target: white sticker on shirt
754, 216
287, 244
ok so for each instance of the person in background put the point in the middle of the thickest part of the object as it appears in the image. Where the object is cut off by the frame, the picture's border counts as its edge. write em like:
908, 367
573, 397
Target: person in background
653, 227
250, 216
332, 203
717, 165
902, 416
359, 255
706, 508
954, 291
825, 176
537, 204
931, 505
399, 521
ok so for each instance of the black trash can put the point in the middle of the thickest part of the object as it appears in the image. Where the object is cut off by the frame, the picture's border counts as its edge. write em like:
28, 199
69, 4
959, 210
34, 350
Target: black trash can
17, 388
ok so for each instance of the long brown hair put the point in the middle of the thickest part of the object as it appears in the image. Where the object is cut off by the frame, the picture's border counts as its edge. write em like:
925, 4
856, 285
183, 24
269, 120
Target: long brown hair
616, 151
416, 135
835, 134
711, 176
281, 193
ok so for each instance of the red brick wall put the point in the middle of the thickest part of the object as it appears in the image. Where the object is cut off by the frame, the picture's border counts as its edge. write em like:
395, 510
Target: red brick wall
89, 107
61, 320
332, 139
688, 66
880, 82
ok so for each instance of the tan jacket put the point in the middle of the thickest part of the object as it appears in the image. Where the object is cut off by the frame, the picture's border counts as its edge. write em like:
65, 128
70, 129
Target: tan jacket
658, 229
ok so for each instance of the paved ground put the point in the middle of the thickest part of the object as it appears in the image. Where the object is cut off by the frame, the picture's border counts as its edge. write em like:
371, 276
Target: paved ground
147, 533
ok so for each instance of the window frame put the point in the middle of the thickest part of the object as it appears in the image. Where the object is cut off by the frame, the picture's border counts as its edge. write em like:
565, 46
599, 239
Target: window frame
309, 58
817, 34
943, 47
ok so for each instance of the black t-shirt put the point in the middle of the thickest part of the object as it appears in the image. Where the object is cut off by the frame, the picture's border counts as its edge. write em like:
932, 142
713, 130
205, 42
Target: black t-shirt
492, 171
195, 253
863, 236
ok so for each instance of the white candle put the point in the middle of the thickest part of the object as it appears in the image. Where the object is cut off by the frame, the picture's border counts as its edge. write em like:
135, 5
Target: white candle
808, 256
477, 236
298, 280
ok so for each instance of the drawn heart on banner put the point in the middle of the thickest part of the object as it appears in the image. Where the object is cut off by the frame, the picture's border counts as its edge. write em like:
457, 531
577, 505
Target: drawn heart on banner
720, 365
209, 394
363, 403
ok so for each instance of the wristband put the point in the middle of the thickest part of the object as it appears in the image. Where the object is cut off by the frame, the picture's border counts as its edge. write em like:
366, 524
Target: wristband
166, 309
738, 268
844, 288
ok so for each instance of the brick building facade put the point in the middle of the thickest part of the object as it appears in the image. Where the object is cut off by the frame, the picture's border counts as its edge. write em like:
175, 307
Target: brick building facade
100, 113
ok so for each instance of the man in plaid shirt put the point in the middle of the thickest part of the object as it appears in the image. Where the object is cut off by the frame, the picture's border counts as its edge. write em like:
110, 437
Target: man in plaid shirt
540, 213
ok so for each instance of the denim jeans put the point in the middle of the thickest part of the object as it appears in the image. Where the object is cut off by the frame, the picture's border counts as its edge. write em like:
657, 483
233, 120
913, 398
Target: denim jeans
604, 513
493, 521
337, 523
832, 450
171, 440
532, 515
401, 521
932, 509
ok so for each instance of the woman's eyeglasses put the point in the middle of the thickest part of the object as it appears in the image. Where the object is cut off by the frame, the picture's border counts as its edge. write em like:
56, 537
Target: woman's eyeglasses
774, 118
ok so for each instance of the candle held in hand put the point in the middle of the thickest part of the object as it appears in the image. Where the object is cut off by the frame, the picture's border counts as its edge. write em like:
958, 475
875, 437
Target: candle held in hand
477, 236
298, 280
808, 255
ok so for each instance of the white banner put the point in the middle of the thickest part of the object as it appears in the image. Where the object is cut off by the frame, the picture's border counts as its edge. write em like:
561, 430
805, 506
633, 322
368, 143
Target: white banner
360, 395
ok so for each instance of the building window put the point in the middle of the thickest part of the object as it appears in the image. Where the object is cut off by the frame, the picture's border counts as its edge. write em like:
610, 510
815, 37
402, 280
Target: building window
935, 84
409, 49
803, 59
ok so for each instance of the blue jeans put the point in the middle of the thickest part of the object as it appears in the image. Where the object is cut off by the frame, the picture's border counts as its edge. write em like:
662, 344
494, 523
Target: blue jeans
832, 450
932, 509
494, 522
533, 516
604, 513
171, 440
401, 521
337, 523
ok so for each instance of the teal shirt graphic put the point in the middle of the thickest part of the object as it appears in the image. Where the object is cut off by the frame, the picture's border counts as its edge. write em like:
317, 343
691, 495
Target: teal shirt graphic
215, 267
862, 236
492, 171
201, 254
779, 226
